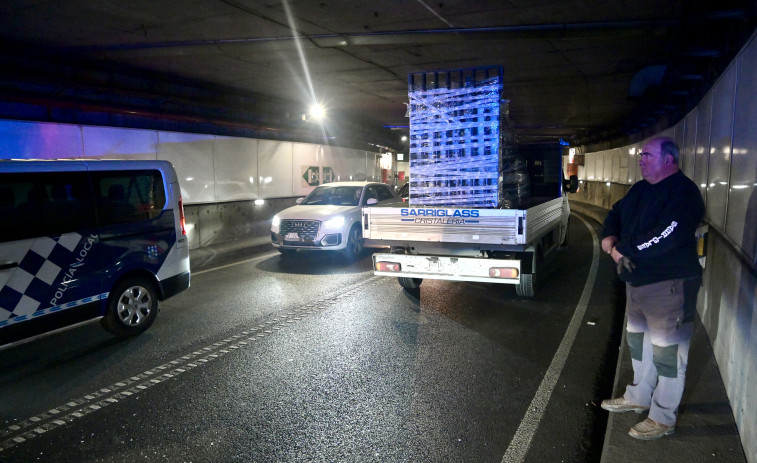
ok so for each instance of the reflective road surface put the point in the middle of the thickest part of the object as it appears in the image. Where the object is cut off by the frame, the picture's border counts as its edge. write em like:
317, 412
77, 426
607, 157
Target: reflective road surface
311, 359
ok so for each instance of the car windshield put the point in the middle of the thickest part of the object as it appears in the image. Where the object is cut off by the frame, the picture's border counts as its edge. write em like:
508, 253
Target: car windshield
334, 195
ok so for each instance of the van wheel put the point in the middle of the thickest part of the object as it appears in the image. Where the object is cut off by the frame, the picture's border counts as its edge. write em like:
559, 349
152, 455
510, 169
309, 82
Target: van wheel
354, 244
132, 307
410, 283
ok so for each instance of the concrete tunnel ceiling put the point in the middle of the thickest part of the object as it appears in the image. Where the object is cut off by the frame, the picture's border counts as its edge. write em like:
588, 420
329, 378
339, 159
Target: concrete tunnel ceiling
589, 72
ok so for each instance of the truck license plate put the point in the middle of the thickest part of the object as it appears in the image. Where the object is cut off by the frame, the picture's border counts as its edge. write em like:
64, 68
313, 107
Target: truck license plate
439, 266
293, 236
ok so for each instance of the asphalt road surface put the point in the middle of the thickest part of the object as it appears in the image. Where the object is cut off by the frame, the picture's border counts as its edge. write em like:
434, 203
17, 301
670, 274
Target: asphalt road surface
311, 359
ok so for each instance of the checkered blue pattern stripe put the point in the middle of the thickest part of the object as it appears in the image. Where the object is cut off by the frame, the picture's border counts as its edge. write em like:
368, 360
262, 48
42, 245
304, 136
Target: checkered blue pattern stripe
34, 279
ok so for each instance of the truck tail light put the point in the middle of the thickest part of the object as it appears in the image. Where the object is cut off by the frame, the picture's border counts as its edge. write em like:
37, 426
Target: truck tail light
388, 267
503, 272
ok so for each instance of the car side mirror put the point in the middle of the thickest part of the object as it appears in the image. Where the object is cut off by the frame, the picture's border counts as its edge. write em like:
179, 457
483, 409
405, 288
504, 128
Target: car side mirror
371, 201
571, 185
299, 200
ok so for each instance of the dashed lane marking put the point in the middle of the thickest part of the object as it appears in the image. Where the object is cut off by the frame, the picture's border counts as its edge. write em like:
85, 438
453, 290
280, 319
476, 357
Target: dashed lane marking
73, 410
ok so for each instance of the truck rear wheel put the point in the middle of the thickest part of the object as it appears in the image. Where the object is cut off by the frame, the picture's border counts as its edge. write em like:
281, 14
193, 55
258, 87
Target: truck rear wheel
528, 281
410, 283
527, 285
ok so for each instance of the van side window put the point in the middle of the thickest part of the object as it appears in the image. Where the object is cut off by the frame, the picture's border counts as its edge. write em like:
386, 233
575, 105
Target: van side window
44, 204
128, 196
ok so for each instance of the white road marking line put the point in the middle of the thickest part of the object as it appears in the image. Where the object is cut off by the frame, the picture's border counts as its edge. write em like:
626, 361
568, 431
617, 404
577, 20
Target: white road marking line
519, 445
234, 264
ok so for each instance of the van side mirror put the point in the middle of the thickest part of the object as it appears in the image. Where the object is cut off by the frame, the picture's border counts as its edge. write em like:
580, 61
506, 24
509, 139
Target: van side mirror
371, 201
571, 185
299, 200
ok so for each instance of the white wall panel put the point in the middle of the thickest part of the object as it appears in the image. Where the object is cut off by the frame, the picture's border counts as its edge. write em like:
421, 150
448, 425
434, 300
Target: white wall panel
306, 162
346, 164
690, 140
359, 166
619, 171
702, 147
679, 132
582, 171
669, 132
330, 163
599, 166
26, 140
235, 162
275, 169
630, 153
192, 157
741, 222
373, 166
607, 175
719, 164
117, 143
590, 161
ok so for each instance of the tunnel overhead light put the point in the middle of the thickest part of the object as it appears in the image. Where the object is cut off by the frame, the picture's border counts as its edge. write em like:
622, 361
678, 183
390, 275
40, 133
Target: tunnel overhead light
317, 111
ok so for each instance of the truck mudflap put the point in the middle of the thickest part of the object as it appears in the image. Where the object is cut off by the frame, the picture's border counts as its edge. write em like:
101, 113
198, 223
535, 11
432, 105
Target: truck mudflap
486, 270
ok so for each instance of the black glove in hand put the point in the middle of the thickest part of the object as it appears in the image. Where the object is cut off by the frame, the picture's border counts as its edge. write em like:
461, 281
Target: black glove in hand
625, 262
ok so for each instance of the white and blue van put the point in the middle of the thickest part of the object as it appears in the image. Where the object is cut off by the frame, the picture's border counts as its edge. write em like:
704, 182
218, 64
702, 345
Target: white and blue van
82, 240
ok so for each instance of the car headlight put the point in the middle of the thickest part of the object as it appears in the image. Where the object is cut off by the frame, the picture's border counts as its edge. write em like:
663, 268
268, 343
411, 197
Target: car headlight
276, 221
336, 222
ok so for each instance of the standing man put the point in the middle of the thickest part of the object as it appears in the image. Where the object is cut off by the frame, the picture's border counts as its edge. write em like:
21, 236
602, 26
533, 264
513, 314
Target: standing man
649, 233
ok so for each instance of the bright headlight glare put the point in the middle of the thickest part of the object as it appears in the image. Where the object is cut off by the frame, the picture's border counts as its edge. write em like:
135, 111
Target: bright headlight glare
336, 222
276, 221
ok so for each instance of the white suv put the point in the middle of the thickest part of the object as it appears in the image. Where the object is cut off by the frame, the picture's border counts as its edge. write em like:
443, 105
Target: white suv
329, 218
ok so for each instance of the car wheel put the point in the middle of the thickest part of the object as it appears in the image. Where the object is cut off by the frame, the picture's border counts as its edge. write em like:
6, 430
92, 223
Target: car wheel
132, 307
410, 283
354, 244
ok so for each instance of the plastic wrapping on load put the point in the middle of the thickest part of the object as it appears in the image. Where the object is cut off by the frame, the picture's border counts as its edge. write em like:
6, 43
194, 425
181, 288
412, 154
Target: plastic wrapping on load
457, 154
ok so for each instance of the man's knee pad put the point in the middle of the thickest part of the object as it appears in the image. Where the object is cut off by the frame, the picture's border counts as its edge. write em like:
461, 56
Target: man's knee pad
666, 360
635, 344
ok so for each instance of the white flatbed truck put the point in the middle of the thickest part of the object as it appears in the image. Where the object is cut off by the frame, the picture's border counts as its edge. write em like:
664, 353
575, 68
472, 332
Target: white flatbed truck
506, 246
452, 228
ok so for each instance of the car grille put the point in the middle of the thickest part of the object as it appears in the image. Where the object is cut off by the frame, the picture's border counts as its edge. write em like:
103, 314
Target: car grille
307, 229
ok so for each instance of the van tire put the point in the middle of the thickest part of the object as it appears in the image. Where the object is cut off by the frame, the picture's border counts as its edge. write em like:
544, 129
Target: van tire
410, 283
132, 307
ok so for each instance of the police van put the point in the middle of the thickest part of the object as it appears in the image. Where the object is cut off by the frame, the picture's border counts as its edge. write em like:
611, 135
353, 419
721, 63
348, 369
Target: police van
82, 240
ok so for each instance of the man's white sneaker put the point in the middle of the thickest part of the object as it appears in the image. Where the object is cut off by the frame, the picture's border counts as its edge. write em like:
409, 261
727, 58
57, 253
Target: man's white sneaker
650, 429
621, 405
